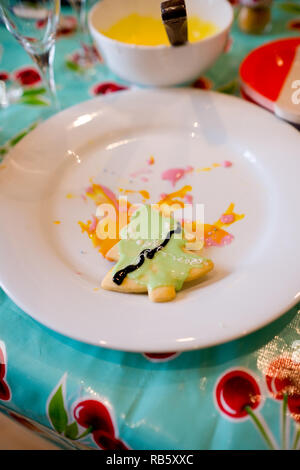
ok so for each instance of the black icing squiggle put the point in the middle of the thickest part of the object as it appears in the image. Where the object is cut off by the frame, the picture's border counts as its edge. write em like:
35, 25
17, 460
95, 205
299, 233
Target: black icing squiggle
147, 253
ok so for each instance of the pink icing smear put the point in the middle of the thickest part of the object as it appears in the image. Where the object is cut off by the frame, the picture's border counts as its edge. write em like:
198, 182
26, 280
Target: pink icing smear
108, 192
151, 161
93, 225
89, 190
226, 164
175, 174
143, 171
225, 241
188, 198
227, 218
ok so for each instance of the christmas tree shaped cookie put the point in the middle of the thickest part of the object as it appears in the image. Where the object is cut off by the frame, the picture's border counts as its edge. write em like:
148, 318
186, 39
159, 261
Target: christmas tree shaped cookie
152, 257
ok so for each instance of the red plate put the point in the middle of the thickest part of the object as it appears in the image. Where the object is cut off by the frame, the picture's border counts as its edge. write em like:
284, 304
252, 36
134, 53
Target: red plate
270, 76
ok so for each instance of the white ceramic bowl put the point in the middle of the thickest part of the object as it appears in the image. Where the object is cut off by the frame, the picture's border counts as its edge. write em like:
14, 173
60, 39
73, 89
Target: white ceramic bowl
159, 65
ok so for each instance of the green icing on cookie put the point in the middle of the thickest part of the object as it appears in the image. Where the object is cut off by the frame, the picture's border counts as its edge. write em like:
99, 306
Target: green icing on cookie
170, 266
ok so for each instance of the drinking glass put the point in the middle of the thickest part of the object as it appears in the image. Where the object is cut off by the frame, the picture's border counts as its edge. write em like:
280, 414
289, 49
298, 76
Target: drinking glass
86, 55
33, 23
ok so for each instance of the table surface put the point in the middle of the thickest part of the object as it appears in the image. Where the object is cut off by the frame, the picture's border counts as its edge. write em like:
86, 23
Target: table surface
132, 400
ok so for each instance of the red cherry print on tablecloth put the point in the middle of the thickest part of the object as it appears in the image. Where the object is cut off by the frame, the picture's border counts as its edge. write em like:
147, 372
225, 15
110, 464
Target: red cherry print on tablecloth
2, 364
294, 25
40, 24
160, 357
283, 377
4, 76
283, 381
107, 87
67, 25
108, 442
235, 391
238, 395
294, 407
27, 76
203, 83
93, 414
4, 389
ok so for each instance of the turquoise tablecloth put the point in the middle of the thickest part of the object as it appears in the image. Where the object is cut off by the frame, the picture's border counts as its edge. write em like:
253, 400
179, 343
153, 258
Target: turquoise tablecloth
131, 399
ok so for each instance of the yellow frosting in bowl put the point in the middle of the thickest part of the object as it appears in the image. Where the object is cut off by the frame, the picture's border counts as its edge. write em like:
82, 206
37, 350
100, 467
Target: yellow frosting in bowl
149, 31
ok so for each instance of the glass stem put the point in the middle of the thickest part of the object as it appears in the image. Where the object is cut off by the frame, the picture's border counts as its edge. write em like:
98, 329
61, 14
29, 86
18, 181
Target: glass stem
79, 7
83, 17
260, 427
44, 61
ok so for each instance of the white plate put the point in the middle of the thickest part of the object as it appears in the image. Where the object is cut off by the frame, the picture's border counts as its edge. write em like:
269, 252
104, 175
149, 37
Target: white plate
256, 278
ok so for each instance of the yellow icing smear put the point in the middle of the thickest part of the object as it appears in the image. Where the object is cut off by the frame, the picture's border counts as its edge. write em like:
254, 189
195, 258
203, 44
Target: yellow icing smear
149, 31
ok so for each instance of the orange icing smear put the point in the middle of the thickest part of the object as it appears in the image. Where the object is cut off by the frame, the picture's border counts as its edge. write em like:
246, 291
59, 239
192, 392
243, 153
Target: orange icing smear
224, 164
208, 168
214, 235
97, 193
145, 194
171, 198
86, 227
228, 217
101, 195
103, 245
